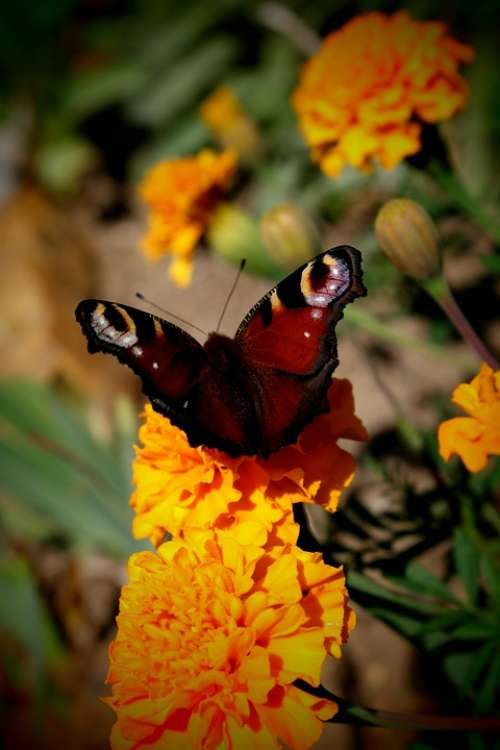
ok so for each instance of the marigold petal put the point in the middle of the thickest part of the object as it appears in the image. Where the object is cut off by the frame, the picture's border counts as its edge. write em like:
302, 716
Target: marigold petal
477, 436
299, 663
241, 738
181, 270
462, 436
297, 724
358, 95
202, 657
281, 581
182, 194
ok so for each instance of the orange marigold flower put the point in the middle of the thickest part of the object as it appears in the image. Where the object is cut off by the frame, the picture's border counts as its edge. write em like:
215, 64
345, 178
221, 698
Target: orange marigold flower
359, 96
178, 487
223, 114
182, 194
212, 636
221, 109
477, 436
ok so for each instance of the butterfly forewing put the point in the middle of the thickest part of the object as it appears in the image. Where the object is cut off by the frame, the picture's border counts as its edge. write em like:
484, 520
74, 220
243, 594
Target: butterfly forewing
293, 327
289, 340
168, 360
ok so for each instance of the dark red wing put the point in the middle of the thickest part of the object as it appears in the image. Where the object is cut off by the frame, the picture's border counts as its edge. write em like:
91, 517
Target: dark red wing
289, 341
196, 395
292, 328
168, 360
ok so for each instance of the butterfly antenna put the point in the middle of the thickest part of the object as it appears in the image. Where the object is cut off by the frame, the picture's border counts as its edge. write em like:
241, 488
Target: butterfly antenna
166, 312
228, 299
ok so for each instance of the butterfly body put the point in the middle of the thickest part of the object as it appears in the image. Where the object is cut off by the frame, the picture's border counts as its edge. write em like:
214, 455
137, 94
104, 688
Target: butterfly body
250, 394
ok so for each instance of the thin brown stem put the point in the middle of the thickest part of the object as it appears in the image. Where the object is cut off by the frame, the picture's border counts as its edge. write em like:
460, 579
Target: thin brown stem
438, 288
278, 17
456, 316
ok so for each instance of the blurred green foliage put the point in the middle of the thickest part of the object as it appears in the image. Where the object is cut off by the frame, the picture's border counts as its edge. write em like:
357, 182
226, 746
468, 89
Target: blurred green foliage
58, 480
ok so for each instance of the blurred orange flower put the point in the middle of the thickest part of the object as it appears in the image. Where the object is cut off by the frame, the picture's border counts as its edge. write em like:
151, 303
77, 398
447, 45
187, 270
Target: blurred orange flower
212, 636
178, 487
477, 436
223, 114
182, 194
358, 98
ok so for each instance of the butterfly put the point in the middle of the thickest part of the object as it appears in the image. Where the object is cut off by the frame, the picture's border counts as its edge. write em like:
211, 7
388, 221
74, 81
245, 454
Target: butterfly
247, 395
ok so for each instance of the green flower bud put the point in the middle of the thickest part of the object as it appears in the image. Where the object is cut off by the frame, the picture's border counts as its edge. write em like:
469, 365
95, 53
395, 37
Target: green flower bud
290, 235
234, 234
408, 237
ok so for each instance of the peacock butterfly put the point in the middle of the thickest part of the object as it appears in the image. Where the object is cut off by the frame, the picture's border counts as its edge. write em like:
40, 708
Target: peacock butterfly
250, 394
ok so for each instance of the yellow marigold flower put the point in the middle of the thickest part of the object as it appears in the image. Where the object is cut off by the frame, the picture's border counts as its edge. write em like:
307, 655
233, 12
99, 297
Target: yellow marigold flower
223, 114
477, 436
178, 487
212, 636
359, 96
182, 194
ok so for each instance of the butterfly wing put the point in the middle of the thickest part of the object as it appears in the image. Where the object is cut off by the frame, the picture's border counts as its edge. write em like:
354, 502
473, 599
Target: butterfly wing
250, 395
288, 339
168, 360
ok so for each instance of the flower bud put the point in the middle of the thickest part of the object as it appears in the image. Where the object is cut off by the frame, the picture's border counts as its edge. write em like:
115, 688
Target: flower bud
233, 128
234, 234
290, 235
408, 237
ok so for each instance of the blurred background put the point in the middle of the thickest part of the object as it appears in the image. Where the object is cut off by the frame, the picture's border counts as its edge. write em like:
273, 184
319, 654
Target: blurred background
92, 94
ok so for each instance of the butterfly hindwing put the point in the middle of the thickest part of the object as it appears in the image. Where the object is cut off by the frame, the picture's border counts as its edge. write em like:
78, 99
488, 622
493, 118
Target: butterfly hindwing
167, 359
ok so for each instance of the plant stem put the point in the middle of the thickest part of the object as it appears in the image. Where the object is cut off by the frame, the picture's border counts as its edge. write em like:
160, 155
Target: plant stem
349, 713
366, 321
463, 326
440, 291
279, 18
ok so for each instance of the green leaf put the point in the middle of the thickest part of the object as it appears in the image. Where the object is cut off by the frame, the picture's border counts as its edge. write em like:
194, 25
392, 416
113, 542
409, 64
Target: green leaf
467, 562
434, 640
405, 625
443, 622
423, 580
54, 469
24, 617
457, 666
42, 415
184, 83
492, 263
100, 88
489, 692
357, 582
278, 70
490, 569
470, 132
176, 36
51, 486
476, 666
474, 631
